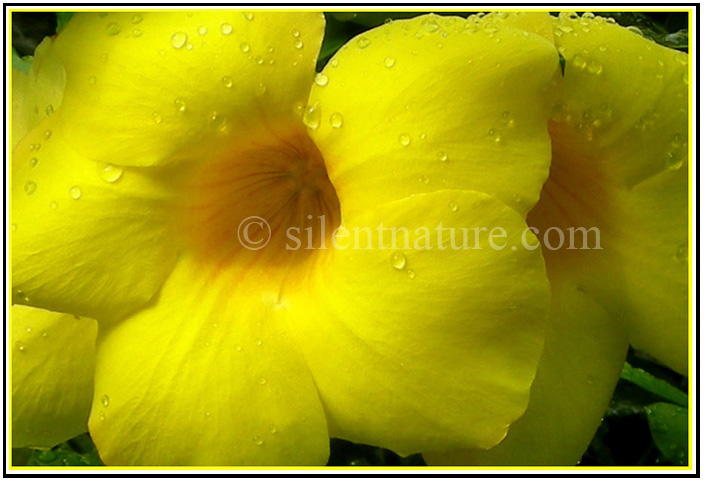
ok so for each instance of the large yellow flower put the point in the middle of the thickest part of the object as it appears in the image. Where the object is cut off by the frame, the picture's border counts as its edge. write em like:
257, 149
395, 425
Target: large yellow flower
174, 128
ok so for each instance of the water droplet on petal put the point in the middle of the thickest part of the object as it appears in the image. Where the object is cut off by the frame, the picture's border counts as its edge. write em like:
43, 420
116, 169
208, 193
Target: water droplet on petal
136, 33
136, 18
453, 206
105, 400
257, 440
244, 47
30, 187
295, 33
180, 105
494, 135
311, 116
411, 274
47, 135
28, 329
238, 347
92, 80
336, 120
111, 173
178, 40
262, 381
430, 25
579, 61
363, 42
44, 334
272, 428
20, 346
75, 192
398, 260
33, 162
259, 342
248, 15
404, 140
682, 254
14, 227
49, 110
113, 29
226, 29
389, 62
298, 44
442, 156
202, 30
595, 67
227, 81
321, 79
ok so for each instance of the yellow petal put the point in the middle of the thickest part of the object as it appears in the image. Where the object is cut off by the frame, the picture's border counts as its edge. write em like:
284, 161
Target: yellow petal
85, 235
208, 375
153, 88
53, 357
420, 349
435, 103
584, 352
38, 93
620, 165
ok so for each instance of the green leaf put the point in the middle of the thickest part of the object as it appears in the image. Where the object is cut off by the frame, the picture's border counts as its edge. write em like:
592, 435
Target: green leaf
62, 19
654, 385
669, 426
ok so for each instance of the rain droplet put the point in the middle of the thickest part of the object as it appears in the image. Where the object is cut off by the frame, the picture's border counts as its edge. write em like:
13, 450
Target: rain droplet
682, 254
180, 105
262, 381
75, 192
389, 62
102, 416
398, 260
178, 40
404, 140
226, 29
20, 346
363, 42
430, 25
321, 79
105, 400
202, 30
227, 81
272, 428
53, 205
136, 18
261, 89
136, 33
111, 173
28, 329
244, 47
295, 33
311, 116
257, 440
334, 63
298, 44
113, 29
44, 334
49, 110
411, 274
453, 206
424, 179
248, 15
595, 67
33, 162
579, 61
259, 342
30, 187
238, 348
494, 135
336, 120
442, 156
47, 135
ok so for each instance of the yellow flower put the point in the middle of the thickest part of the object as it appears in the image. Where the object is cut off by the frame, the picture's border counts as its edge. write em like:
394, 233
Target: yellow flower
174, 128
620, 163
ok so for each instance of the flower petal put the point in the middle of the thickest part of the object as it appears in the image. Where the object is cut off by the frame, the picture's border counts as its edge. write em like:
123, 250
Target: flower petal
38, 93
584, 352
152, 88
83, 238
435, 103
620, 165
208, 375
420, 349
53, 358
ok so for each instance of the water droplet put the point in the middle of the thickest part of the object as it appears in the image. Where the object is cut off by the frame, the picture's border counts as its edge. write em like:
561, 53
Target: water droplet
227, 81
20, 346
92, 80
30, 187
259, 342
404, 140
44, 334
261, 89
53, 205
226, 29
579, 61
49, 110
430, 25
424, 179
202, 30
262, 381
180, 105
47, 135
398, 260
336, 120
442, 156
595, 67
248, 15
75, 192
136, 33
28, 329
272, 428
14, 227
257, 440
111, 173
311, 116
238, 347
102, 416
321, 79
207, 414
178, 40
113, 29
295, 33
682, 254
411, 274
363, 42
298, 44
453, 206
136, 18
389, 62
244, 47
494, 135
105, 400
33, 162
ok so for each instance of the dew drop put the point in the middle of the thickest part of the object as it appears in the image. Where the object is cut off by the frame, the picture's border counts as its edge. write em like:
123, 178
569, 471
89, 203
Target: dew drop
442, 156
579, 61
47, 135
425, 179
20, 346
682, 254
53, 205
238, 347
321, 79
262, 381
272, 428
207, 414
257, 440
226, 29
180, 105
178, 40
202, 30
430, 25
111, 173
298, 44
49, 110
28, 329
30, 187
398, 260
453, 206
363, 42
411, 274
33, 162
389, 62
227, 82
105, 400
259, 342
92, 80
75, 192
113, 29
244, 47
404, 140
102, 416
44, 334
295, 33
14, 227
136, 18
595, 67
248, 15
336, 120
311, 116
136, 33
494, 135
261, 89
